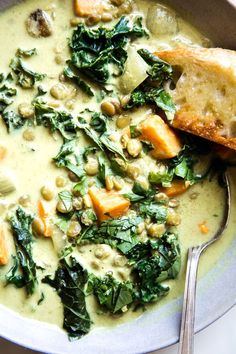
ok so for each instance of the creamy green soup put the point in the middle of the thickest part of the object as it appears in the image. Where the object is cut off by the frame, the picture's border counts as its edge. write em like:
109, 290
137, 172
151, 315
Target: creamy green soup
31, 174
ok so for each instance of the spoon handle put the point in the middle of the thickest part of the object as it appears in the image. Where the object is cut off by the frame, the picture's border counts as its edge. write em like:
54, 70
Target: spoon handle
188, 314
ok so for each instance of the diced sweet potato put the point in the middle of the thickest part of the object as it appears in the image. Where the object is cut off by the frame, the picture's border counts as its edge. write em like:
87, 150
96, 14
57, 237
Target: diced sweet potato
177, 188
108, 204
85, 8
204, 229
4, 253
44, 215
3, 152
165, 141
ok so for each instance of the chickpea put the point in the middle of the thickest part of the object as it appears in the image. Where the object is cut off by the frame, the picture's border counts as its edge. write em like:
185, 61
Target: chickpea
117, 106
47, 193
85, 218
123, 121
91, 167
70, 104
140, 228
73, 229
59, 59
173, 219
156, 230
87, 201
95, 264
108, 108
134, 147
173, 203
161, 198
59, 91
124, 100
121, 163
124, 140
133, 171
26, 110
77, 203
119, 261
123, 274
62, 208
75, 21
38, 227
143, 182
60, 181
53, 104
106, 17
125, 8
102, 251
109, 183
28, 135
24, 200
118, 183
117, 2
194, 195
72, 176
93, 19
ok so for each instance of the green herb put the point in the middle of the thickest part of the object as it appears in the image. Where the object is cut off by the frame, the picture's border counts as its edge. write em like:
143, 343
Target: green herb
111, 294
21, 228
25, 77
134, 132
71, 159
154, 262
6, 92
160, 71
13, 276
156, 212
69, 282
97, 132
13, 121
98, 54
82, 186
69, 73
151, 91
42, 297
66, 199
99, 122
118, 233
55, 120
181, 166
26, 53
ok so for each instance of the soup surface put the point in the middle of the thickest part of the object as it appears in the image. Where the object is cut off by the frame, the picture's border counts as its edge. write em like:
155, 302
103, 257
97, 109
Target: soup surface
85, 191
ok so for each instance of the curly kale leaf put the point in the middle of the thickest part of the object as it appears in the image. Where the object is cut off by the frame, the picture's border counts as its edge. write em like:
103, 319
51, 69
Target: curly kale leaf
93, 50
25, 76
111, 294
118, 233
69, 282
55, 120
23, 238
154, 262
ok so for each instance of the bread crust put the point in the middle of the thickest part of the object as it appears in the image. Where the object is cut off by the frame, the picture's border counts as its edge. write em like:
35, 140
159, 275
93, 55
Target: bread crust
205, 94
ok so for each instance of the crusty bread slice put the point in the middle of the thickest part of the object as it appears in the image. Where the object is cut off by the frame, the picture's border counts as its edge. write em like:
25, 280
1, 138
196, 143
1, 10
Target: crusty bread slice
205, 92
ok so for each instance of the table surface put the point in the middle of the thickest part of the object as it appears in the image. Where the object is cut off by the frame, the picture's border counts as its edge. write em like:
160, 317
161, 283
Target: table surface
219, 338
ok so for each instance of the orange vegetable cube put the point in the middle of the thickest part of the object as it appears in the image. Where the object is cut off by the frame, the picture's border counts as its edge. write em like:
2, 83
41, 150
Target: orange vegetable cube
203, 228
4, 254
44, 215
177, 188
108, 204
85, 8
3, 152
164, 139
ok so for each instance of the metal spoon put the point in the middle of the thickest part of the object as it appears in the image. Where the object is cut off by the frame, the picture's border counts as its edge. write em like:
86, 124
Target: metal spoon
188, 314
